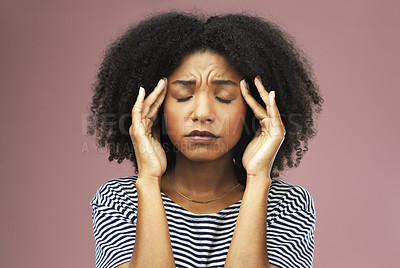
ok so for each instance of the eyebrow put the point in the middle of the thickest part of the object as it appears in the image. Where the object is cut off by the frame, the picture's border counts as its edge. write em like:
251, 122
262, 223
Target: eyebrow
214, 82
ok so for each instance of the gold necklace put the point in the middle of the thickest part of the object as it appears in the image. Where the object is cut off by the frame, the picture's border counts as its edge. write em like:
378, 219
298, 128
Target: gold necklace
201, 202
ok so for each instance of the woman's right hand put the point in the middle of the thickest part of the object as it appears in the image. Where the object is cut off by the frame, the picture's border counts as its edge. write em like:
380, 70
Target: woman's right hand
150, 156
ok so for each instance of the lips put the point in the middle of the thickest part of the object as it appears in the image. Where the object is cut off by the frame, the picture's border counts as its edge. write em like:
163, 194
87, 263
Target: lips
201, 134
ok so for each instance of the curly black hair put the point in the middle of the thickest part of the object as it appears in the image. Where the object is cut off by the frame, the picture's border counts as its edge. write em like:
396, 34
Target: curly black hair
155, 47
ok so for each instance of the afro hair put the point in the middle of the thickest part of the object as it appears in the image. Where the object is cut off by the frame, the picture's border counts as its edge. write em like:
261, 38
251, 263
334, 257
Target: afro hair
156, 46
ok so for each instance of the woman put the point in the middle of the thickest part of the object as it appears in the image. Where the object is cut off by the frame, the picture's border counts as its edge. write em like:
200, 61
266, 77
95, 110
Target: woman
208, 142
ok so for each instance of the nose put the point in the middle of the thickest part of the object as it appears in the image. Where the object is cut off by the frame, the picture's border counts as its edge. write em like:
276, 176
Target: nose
203, 109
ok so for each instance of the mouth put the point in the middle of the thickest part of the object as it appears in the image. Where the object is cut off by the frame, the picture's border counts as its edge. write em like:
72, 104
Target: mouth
201, 137
201, 134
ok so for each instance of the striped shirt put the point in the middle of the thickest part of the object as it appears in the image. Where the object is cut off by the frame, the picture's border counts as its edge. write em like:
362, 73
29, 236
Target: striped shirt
203, 240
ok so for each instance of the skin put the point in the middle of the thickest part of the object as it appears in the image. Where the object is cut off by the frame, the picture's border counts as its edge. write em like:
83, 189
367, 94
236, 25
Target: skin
203, 172
203, 94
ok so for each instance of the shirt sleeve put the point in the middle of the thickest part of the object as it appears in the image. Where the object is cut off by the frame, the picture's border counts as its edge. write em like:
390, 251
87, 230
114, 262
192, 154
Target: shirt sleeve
114, 226
290, 237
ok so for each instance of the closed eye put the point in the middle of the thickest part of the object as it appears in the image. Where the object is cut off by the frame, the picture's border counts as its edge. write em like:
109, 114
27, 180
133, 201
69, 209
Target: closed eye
184, 99
223, 101
219, 99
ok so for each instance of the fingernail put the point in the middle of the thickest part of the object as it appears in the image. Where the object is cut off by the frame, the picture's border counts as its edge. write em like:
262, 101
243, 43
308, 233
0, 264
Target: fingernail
166, 81
273, 94
159, 82
259, 79
243, 83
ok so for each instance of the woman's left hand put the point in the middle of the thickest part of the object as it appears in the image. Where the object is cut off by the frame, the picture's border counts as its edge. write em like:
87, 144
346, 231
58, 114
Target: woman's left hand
261, 151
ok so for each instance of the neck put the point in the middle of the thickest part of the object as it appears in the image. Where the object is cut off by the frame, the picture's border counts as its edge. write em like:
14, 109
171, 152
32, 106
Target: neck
202, 180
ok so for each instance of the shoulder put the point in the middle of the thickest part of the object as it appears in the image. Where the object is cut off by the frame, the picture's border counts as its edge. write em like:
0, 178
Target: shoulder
117, 190
290, 225
114, 214
285, 198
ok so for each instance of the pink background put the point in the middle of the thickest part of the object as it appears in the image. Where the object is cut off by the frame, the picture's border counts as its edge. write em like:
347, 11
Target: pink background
50, 52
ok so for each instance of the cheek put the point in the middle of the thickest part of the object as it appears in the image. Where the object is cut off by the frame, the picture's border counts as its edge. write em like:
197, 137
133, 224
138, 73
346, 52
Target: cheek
235, 126
172, 121
236, 121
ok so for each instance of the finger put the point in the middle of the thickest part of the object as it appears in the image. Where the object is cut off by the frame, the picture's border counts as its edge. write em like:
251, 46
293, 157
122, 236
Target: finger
276, 116
137, 111
272, 108
259, 112
149, 101
262, 91
152, 114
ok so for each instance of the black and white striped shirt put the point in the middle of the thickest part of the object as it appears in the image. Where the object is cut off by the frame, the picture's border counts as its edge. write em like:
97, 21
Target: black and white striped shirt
203, 240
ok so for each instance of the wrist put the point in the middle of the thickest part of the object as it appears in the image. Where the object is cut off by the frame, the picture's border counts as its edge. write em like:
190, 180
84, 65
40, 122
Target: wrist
148, 181
258, 181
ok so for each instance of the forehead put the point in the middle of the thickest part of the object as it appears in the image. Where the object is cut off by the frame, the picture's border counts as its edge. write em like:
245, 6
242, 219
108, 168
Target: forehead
205, 62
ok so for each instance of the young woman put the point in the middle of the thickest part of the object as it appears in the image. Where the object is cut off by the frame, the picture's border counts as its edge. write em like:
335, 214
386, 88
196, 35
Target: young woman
208, 141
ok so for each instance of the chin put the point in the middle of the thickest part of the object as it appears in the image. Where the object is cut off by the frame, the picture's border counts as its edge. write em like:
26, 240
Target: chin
203, 156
